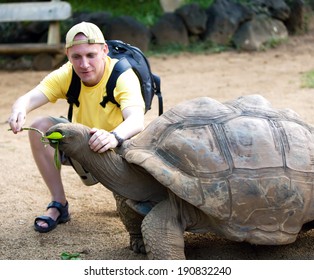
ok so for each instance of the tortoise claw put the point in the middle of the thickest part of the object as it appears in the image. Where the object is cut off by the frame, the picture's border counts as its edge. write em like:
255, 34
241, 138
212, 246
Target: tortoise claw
137, 244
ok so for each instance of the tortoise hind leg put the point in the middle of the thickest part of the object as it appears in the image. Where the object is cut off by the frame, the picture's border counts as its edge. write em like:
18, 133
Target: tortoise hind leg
163, 233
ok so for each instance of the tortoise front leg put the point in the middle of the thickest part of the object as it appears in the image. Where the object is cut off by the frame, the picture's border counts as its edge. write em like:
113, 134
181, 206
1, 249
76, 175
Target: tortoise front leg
163, 232
132, 222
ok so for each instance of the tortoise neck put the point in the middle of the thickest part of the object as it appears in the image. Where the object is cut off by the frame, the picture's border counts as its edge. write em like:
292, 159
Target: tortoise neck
119, 176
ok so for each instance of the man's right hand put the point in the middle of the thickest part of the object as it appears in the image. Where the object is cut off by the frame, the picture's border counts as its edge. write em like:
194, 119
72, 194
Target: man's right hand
16, 121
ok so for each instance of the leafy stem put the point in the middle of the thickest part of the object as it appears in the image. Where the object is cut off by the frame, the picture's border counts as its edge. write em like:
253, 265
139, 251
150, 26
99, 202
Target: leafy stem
43, 138
54, 138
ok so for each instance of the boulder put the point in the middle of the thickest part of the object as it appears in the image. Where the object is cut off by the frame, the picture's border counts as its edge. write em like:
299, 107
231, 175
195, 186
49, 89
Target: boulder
274, 8
194, 18
223, 19
170, 30
129, 30
254, 34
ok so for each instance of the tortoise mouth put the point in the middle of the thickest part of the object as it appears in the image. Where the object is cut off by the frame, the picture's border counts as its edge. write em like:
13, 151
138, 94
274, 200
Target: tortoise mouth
55, 137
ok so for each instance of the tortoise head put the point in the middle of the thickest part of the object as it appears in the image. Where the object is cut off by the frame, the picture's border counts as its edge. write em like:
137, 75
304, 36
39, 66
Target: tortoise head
68, 137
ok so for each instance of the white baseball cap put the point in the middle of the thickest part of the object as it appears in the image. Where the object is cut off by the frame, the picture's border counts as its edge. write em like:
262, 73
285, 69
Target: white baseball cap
90, 30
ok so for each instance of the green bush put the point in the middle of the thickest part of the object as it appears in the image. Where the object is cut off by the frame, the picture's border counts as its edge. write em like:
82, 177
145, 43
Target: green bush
146, 12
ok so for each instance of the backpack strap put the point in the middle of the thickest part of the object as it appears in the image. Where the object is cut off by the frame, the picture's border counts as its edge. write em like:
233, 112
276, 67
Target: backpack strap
158, 93
121, 66
73, 93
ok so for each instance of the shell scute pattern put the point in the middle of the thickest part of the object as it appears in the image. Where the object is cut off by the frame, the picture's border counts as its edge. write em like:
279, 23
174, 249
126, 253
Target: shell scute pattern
242, 162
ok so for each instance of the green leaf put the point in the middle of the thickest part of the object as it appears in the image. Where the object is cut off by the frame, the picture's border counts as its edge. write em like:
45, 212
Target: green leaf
70, 256
65, 256
55, 136
57, 160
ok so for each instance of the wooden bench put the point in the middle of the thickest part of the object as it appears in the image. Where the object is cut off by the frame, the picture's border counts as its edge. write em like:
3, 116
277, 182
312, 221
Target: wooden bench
53, 12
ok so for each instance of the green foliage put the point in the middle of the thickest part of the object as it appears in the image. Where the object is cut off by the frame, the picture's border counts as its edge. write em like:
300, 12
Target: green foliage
197, 47
70, 256
273, 43
202, 3
308, 79
146, 12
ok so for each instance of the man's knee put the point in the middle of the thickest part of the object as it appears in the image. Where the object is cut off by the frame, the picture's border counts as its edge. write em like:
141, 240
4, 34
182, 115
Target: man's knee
44, 123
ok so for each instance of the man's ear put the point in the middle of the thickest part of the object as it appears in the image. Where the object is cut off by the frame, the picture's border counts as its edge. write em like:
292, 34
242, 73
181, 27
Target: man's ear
66, 52
106, 49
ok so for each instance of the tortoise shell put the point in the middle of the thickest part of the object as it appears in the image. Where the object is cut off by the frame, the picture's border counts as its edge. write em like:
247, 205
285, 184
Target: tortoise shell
245, 164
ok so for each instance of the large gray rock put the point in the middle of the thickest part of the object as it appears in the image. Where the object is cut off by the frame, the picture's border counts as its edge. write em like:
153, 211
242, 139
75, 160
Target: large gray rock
253, 35
122, 28
130, 31
274, 8
224, 18
101, 19
170, 30
194, 18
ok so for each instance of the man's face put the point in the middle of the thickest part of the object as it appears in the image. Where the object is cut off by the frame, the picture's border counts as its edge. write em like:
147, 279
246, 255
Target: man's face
88, 60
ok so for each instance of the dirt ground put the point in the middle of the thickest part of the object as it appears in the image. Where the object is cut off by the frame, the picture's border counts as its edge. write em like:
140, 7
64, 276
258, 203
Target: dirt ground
95, 229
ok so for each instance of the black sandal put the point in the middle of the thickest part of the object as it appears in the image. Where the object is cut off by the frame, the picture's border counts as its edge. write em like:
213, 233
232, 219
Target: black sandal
52, 224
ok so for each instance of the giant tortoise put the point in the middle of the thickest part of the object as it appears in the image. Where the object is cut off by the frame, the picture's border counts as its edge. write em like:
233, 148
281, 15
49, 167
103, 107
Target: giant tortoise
241, 169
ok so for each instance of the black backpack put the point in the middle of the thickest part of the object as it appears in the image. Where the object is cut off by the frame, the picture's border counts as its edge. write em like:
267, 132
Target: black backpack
129, 57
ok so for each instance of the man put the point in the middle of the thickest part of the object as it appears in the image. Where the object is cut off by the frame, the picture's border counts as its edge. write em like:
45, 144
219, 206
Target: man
87, 51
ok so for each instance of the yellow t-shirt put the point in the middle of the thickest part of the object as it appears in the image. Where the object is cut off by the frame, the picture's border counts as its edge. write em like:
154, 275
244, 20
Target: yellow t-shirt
90, 113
